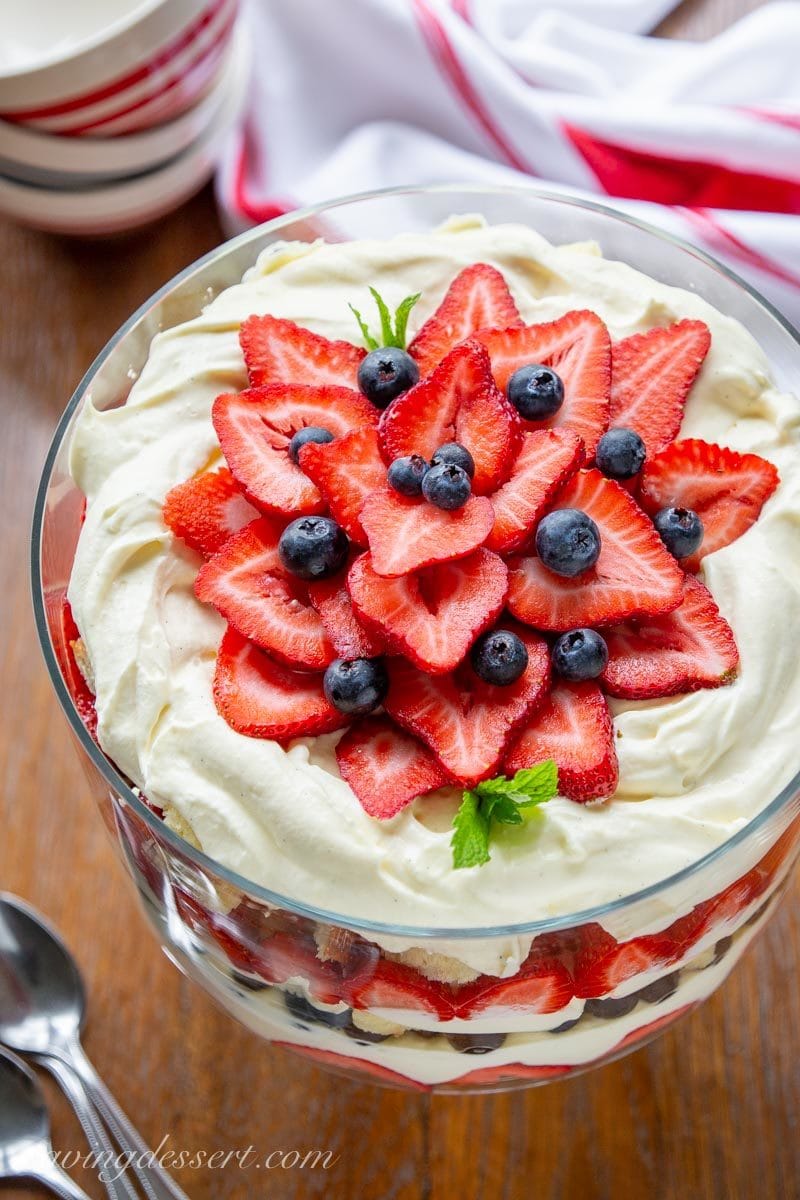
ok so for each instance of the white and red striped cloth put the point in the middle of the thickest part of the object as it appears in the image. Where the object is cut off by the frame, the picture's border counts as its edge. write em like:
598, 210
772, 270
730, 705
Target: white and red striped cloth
701, 138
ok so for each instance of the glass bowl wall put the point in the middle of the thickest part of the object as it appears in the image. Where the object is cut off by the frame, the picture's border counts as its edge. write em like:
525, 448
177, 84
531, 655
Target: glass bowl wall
343, 989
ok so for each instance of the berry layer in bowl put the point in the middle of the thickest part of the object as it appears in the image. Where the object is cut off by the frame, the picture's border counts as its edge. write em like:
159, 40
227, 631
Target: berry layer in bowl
486, 751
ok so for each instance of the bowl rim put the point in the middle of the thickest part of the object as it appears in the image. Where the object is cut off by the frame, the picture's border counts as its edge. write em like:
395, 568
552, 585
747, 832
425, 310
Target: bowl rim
123, 789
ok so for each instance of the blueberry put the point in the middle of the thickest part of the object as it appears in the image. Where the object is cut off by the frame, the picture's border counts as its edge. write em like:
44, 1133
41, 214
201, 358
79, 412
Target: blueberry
406, 474
620, 453
385, 374
609, 1007
311, 433
580, 654
536, 392
476, 1043
660, 989
313, 547
303, 1010
565, 1025
568, 542
447, 486
499, 657
681, 530
454, 452
364, 1037
355, 685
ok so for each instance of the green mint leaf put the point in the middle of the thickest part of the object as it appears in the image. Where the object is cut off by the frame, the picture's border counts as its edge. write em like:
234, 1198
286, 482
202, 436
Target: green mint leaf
470, 840
369, 340
401, 319
501, 800
387, 332
393, 332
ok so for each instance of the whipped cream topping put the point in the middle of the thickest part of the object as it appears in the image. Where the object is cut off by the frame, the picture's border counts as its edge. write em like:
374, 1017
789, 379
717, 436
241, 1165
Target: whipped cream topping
693, 769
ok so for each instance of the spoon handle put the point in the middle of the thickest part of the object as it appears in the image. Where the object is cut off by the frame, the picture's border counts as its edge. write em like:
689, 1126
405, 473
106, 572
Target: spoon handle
155, 1181
118, 1188
58, 1182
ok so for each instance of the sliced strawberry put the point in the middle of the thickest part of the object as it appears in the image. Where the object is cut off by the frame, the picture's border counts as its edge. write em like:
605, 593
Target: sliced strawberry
726, 489
406, 535
386, 767
346, 471
574, 728
348, 635
509, 1073
635, 574
690, 648
259, 697
431, 616
466, 722
646, 1032
206, 510
651, 376
347, 1064
255, 428
540, 986
602, 967
79, 690
278, 351
248, 585
578, 348
478, 298
285, 956
459, 402
547, 459
390, 984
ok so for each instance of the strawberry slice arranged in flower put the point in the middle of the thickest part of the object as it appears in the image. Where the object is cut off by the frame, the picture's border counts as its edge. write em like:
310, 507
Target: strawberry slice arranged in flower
386, 767
279, 351
726, 489
263, 699
478, 298
574, 728
431, 616
651, 376
247, 583
577, 347
458, 402
467, 723
255, 428
547, 459
348, 635
541, 985
690, 648
406, 534
346, 471
206, 510
634, 574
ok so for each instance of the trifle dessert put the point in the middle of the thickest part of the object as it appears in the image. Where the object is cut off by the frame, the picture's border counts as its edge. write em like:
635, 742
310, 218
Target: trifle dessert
446, 583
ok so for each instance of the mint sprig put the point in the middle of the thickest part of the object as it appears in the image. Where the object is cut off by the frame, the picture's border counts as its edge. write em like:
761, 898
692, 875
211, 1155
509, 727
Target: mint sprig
393, 329
501, 800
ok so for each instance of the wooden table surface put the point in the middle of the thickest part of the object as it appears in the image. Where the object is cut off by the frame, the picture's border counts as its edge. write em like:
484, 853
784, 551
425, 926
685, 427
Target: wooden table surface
710, 1110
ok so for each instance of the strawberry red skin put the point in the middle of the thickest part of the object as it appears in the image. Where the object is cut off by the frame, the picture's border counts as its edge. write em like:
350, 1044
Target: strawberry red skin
407, 534
348, 635
387, 984
206, 510
465, 722
277, 350
601, 968
255, 428
478, 298
690, 648
346, 471
79, 690
578, 348
726, 489
346, 1063
248, 585
651, 376
547, 459
386, 767
263, 699
433, 616
575, 729
635, 574
458, 402
540, 986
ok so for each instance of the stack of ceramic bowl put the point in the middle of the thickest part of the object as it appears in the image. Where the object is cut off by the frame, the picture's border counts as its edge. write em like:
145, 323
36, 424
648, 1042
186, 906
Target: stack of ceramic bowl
112, 111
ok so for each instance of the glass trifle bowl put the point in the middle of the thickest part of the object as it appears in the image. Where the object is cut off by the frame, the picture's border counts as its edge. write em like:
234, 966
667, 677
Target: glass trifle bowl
452, 1007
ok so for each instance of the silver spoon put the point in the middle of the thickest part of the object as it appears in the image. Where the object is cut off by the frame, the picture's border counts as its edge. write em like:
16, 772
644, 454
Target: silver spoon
42, 1008
25, 1148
